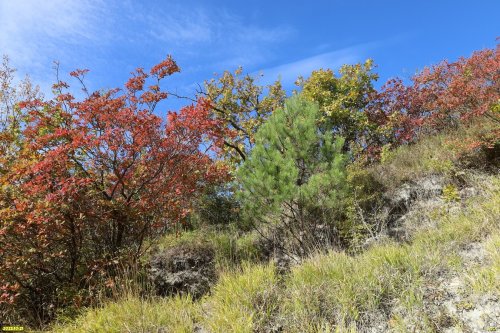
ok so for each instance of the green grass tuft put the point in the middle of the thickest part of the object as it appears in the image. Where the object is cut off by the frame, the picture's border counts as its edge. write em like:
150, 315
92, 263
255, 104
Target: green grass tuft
486, 279
177, 314
243, 301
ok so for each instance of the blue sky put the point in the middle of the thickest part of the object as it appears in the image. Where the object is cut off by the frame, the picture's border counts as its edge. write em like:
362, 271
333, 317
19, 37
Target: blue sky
277, 38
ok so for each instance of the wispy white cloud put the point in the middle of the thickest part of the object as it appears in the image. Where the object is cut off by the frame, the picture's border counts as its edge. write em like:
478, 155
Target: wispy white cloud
33, 29
213, 33
204, 25
36, 33
107, 36
289, 72
181, 27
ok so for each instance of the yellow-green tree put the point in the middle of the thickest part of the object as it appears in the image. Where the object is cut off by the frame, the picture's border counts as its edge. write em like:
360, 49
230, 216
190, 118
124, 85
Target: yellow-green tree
342, 100
11, 93
243, 106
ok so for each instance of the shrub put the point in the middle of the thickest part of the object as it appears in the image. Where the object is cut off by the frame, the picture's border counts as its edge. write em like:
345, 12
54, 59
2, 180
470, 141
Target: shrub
342, 100
450, 193
362, 204
242, 105
217, 206
443, 153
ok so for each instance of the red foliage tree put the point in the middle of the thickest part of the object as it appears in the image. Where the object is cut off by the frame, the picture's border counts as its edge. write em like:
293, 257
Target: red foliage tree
439, 96
93, 180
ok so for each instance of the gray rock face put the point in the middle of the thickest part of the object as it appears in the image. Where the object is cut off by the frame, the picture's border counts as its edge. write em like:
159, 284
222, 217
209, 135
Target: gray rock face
401, 201
182, 270
402, 206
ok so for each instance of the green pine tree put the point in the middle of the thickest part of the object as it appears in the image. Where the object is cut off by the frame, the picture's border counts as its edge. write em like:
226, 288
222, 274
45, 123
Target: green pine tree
295, 174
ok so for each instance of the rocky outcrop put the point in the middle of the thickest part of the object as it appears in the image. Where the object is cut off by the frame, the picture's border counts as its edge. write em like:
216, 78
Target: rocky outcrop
400, 201
183, 269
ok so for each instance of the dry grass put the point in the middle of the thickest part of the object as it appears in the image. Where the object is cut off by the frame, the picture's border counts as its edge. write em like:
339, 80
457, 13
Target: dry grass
438, 154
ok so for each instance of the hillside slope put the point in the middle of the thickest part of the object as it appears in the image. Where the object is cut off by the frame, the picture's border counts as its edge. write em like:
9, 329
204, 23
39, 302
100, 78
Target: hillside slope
434, 266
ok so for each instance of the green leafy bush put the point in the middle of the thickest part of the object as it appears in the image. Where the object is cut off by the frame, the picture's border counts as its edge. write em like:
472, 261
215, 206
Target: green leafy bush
342, 99
217, 206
